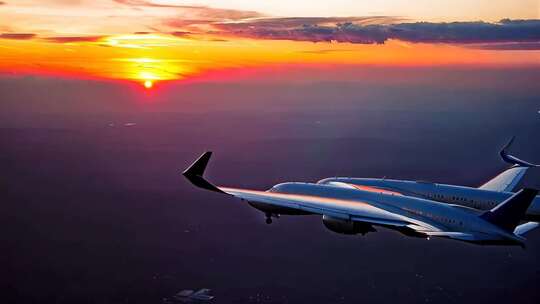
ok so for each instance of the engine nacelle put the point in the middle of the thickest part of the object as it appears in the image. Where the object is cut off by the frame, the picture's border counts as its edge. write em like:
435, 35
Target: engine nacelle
345, 226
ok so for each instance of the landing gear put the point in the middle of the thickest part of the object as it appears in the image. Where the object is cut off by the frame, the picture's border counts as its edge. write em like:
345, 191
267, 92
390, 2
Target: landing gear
269, 217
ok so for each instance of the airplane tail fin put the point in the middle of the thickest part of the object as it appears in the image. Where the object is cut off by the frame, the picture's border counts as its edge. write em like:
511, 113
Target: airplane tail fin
508, 213
195, 173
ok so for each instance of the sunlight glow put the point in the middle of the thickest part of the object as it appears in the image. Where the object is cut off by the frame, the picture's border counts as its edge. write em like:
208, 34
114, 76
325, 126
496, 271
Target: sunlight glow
187, 60
148, 84
142, 41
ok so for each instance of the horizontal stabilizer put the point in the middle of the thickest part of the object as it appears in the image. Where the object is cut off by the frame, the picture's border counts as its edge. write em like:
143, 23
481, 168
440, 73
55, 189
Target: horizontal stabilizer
506, 181
524, 228
195, 173
508, 213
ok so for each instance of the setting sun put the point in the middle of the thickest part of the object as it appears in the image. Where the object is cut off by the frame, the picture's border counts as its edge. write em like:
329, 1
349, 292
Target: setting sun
148, 84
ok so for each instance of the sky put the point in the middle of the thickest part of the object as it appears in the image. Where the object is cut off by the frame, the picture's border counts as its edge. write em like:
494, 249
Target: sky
104, 102
150, 41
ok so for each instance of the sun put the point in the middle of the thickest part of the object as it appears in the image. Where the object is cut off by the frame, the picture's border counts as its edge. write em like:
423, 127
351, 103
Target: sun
148, 84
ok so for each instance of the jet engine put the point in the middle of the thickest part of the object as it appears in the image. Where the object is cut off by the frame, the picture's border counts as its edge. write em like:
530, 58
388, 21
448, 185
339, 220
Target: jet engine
345, 226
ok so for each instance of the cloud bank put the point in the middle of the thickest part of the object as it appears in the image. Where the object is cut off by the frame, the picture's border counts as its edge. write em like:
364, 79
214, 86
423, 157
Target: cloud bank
375, 31
220, 24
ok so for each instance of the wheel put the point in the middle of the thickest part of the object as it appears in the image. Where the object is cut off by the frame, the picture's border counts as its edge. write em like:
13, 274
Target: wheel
268, 220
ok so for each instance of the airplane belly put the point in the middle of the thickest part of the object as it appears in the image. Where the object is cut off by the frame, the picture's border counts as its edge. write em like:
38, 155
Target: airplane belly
277, 209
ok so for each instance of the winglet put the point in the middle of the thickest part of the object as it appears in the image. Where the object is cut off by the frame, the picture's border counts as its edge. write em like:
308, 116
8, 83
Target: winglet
508, 144
512, 159
508, 213
198, 166
195, 173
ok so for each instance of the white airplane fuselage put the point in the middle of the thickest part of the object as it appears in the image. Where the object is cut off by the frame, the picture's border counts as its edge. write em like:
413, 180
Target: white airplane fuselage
450, 194
423, 210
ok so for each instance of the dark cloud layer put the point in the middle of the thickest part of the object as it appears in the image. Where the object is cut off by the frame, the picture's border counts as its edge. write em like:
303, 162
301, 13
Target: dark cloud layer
523, 46
17, 36
375, 31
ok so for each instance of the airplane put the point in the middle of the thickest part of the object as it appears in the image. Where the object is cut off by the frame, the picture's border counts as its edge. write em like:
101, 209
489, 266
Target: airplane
485, 197
347, 209
190, 296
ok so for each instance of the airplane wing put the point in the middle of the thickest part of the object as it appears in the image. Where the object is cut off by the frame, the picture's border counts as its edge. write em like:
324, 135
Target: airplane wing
508, 179
202, 295
360, 211
344, 209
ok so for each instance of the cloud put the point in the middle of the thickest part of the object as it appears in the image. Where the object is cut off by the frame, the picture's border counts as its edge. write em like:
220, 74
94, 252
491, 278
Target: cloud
469, 32
295, 22
325, 51
184, 23
377, 30
509, 46
2, 3
70, 39
181, 33
193, 16
143, 3
200, 13
239, 20
196, 36
17, 36
59, 39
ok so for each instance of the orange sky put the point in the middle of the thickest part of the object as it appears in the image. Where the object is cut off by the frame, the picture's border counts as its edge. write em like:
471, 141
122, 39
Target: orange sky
78, 38
160, 57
